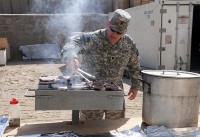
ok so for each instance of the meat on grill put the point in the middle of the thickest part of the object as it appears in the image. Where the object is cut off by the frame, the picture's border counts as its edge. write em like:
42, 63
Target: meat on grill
104, 84
78, 82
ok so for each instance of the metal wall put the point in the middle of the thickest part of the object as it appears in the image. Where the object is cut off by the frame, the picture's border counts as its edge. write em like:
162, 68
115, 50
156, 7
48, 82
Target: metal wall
162, 32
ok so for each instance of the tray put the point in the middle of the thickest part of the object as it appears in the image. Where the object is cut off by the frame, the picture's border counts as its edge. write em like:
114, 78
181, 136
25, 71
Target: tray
3, 124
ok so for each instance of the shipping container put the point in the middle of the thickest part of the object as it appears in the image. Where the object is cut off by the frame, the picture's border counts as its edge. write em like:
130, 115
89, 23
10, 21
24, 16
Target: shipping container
167, 34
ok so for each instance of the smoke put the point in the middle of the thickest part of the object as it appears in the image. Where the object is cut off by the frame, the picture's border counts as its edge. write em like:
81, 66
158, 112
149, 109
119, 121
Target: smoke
66, 6
64, 18
67, 18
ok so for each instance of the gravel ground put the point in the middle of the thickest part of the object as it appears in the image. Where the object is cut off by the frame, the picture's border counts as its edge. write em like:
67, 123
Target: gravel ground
17, 76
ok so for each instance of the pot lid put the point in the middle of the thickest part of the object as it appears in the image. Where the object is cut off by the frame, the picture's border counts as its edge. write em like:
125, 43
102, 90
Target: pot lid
171, 73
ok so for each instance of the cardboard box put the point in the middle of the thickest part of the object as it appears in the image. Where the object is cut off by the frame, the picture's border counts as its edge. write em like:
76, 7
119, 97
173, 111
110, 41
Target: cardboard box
3, 57
120, 4
134, 3
3, 43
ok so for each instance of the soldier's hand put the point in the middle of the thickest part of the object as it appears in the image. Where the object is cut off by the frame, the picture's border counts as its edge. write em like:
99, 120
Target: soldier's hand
72, 64
132, 93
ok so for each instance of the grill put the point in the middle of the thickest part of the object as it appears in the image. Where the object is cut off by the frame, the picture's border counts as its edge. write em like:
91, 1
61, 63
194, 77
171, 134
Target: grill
76, 93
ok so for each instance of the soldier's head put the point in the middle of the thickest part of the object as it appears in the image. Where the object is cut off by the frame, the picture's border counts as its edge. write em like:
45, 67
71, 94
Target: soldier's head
118, 25
120, 20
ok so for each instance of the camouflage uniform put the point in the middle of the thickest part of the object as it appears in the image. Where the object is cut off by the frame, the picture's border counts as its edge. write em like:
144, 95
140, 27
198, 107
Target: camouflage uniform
103, 59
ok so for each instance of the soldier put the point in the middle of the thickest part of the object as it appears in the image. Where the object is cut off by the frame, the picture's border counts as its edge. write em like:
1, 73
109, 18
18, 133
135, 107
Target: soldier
106, 53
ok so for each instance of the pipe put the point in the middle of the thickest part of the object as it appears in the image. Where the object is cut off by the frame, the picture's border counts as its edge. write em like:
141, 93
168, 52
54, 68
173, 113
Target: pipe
189, 38
161, 26
176, 38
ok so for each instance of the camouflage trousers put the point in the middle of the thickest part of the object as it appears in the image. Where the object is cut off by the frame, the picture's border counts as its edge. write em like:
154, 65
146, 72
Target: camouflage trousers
99, 114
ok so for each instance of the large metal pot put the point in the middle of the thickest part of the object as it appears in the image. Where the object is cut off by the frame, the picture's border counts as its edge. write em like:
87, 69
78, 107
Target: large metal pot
170, 98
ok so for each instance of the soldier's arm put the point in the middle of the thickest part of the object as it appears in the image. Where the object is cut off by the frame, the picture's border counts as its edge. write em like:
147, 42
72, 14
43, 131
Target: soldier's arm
135, 69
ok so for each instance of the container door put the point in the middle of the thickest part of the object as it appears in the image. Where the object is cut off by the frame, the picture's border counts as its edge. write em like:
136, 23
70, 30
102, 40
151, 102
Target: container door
195, 47
175, 34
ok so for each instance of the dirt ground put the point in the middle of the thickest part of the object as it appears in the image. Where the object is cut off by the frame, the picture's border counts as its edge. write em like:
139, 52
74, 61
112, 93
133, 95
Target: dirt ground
17, 76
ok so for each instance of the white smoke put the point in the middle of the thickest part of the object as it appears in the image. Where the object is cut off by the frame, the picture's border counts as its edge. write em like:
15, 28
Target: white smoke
67, 18
66, 6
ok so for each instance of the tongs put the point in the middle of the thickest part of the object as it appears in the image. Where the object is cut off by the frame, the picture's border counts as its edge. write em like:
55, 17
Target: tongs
82, 73
94, 84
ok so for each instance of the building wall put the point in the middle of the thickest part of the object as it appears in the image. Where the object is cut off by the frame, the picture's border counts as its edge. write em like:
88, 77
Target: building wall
54, 6
27, 29
65, 6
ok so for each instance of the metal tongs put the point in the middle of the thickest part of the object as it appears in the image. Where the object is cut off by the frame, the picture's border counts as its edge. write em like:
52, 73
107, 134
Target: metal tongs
82, 73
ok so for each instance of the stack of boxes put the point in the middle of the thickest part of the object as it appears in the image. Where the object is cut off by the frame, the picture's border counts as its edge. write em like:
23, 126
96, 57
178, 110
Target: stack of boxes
134, 3
125, 4
145, 1
4, 51
120, 4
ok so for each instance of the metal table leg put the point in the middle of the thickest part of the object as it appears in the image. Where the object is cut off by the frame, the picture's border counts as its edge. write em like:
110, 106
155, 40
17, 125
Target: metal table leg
75, 117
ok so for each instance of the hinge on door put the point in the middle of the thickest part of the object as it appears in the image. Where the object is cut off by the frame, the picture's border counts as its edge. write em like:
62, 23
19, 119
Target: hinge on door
163, 11
161, 67
162, 30
162, 48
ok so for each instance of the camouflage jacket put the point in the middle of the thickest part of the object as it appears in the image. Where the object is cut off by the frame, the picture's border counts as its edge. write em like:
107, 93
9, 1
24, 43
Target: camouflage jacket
102, 59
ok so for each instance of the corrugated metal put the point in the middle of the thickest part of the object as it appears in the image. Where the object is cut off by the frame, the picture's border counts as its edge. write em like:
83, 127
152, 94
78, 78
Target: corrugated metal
6, 6
14, 6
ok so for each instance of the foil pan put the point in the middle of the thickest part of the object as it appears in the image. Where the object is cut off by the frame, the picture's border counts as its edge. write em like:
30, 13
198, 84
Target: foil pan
3, 124
60, 134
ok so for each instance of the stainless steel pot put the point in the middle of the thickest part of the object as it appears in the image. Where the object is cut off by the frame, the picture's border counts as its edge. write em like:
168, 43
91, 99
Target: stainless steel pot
170, 98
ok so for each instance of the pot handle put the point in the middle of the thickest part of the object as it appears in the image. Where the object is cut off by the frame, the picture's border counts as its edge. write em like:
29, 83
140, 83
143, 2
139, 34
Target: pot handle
148, 84
170, 71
